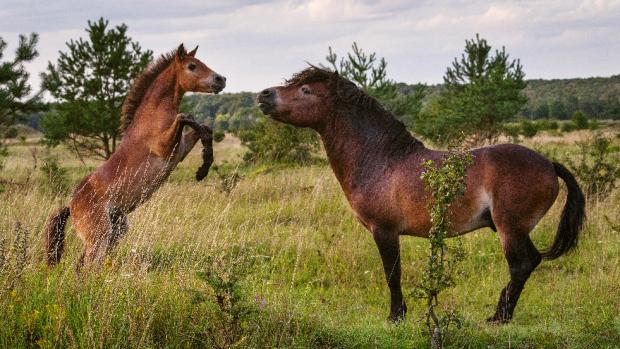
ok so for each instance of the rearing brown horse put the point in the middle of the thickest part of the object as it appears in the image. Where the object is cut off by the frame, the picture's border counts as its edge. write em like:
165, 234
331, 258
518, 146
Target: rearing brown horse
378, 164
153, 144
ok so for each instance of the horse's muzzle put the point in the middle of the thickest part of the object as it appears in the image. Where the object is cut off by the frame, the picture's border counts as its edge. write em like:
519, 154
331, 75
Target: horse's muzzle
266, 100
216, 83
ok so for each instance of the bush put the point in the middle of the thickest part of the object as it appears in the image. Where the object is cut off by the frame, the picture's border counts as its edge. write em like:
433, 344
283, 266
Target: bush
11, 132
218, 136
529, 129
547, 125
4, 153
227, 178
274, 142
512, 132
596, 166
232, 312
568, 126
594, 125
54, 176
580, 120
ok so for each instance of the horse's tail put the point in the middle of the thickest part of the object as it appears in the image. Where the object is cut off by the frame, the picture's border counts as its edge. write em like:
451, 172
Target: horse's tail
55, 235
573, 216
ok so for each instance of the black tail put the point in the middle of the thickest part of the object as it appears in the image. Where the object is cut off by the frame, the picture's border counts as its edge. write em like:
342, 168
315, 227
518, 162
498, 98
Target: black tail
55, 235
573, 216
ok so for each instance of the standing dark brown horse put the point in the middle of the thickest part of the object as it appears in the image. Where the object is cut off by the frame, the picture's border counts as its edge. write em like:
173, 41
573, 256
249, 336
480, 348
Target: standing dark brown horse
378, 164
153, 144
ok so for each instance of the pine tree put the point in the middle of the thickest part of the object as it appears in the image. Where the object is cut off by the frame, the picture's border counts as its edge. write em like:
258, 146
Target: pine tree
481, 92
16, 97
89, 83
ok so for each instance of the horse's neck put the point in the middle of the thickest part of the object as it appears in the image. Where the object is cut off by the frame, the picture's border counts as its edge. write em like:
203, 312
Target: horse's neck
160, 103
360, 148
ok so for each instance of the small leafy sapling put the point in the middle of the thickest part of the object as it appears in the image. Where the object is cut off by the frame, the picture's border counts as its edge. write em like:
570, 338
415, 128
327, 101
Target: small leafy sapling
445, 182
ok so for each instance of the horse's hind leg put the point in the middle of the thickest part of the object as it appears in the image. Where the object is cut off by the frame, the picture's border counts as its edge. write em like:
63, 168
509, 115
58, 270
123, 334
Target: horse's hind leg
119, 228
94, 228
523, 258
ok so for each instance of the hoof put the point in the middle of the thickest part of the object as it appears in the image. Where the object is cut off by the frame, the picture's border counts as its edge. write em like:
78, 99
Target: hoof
202, 172
186, 118
396, 318
398, 315
499, 320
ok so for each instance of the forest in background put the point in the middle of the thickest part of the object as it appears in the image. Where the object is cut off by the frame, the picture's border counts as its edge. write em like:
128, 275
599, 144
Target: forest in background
597, 97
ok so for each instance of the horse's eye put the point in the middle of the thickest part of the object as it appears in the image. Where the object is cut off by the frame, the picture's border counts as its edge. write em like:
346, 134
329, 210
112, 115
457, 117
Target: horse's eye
306, 90
191, 66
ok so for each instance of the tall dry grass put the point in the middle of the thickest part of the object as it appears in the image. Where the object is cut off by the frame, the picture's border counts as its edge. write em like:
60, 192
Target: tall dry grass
316, 279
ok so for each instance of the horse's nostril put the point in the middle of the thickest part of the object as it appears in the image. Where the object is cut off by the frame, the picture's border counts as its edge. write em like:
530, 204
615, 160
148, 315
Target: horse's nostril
220, 78
266, 93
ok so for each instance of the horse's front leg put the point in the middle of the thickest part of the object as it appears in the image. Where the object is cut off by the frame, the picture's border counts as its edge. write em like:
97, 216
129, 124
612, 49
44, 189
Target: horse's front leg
169, 142
204, 133
176, 145
389, 248
187, 143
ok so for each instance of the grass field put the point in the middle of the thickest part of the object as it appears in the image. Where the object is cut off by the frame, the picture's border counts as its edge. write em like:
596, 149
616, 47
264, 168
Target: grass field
296, 268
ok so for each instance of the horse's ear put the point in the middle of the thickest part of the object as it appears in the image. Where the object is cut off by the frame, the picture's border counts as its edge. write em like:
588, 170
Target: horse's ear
181, 53
192, 53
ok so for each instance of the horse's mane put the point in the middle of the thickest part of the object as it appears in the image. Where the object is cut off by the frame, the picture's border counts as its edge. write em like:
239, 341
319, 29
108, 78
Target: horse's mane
140, 86
349, 97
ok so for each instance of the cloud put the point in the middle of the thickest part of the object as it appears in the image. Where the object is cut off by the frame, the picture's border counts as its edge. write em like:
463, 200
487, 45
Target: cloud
258, 43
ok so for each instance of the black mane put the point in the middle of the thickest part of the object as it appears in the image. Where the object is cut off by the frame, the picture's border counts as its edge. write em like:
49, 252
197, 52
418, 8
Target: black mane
348, 98
345, 91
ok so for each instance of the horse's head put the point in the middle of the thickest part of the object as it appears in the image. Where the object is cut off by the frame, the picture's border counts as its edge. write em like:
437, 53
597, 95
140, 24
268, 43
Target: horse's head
195, 76
304, 101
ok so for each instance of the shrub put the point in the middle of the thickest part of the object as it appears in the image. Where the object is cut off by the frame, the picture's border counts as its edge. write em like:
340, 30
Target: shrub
445, 184
547, 124
594, 125
232, 310
512, 132
274, 142
218, 136
568, 126
54, 176
228, 178
528, 128
580, 120
11, 132
596, 165
4, 153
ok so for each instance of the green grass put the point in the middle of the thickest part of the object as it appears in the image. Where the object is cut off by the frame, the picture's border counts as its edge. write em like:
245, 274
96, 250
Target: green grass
317, 280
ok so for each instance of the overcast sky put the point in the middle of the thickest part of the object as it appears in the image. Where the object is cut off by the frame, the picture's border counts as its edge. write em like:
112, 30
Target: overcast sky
256, 44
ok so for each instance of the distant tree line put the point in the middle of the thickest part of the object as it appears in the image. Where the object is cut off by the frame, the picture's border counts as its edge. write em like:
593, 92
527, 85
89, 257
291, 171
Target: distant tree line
564, 108
596, 98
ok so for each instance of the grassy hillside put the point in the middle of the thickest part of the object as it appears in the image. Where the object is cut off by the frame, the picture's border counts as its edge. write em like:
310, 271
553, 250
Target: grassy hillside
309, 273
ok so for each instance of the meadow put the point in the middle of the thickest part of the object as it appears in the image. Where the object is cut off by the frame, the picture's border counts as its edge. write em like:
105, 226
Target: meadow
280, 261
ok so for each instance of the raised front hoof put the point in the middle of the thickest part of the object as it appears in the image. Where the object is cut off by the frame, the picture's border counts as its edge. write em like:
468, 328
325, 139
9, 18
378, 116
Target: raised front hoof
185, 117
499, 319
202, 172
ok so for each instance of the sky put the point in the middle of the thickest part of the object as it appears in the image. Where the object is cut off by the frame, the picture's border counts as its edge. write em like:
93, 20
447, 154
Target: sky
257, 44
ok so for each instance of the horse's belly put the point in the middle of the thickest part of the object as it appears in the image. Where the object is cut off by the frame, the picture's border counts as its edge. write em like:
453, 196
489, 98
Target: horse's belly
138, 185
